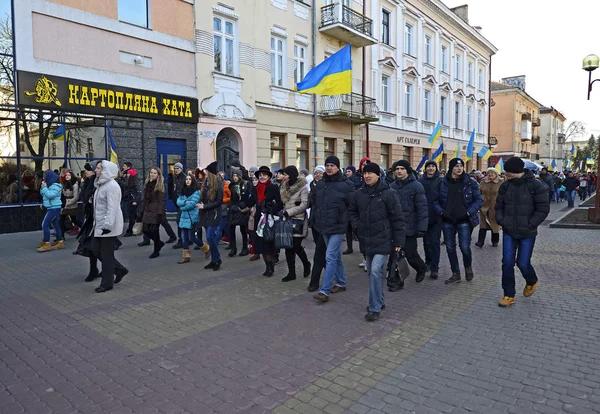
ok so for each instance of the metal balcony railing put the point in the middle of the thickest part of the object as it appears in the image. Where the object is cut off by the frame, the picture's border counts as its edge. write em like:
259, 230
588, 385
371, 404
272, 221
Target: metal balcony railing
339, 13
535, 122
535, 140
350, 107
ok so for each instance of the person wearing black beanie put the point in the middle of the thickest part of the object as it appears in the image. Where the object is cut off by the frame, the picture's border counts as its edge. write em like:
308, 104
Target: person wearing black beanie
431, 242
332, 159
458, 203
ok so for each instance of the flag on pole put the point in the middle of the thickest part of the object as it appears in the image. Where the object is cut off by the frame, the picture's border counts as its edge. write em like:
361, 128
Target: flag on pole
553, 164
437, 132
60, 133
438, 154
113, 148
333, 76
485, 153
589, 161
572, 149
469, 155
456, 153
499, 165
422, 163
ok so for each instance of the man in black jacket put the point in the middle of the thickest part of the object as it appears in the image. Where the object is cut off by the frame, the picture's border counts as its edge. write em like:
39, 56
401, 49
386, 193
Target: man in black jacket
571, 183
333, 195
431, 241
414, 206
521, 206
177, 181
376, 212
356, 180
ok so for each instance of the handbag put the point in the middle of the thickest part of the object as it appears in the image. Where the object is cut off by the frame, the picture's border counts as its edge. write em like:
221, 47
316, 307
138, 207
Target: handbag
284, 239
398, 271
297, 226
268, 233
138, 229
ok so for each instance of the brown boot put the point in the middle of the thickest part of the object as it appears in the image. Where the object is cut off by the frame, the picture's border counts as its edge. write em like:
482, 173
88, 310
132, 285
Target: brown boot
59, 244
206, 250
187, 255
45, 247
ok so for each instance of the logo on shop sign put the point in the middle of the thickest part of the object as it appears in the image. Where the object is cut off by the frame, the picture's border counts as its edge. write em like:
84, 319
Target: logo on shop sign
46, 91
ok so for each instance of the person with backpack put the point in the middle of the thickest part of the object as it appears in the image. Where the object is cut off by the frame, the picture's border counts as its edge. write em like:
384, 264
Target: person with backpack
521, 206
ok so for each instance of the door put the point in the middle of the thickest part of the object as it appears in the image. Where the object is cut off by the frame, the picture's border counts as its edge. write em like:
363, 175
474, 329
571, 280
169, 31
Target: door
227, 149
169, 152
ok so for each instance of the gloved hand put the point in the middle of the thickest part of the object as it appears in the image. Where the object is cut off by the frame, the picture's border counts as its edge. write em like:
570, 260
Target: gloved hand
298, 202
105, 231
286, 215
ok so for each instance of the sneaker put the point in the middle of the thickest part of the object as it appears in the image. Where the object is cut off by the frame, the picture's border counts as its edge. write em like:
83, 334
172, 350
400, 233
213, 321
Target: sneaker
321, 297
362, 264
372, 316
469, 274
529, 289
336, 289
434, 274
506, 301
382, 308
454, 279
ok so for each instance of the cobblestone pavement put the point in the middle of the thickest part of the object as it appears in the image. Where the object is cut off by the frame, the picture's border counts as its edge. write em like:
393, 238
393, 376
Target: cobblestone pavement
177, 338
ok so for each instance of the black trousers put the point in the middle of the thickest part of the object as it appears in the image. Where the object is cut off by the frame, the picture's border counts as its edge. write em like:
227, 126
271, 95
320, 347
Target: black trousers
62, 221
243, 230
131, 216
296, 250
167, 227
153, 234
318, 258
349, 236
412, 255
104, 249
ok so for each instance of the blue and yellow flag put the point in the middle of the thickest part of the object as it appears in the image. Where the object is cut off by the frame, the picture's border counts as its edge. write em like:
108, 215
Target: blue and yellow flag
500, 165
456, 153
589, 161
333, 76
485, 153
438, 154
113, 147
437, 132
553, 164
60, 133
422, 163
469, 155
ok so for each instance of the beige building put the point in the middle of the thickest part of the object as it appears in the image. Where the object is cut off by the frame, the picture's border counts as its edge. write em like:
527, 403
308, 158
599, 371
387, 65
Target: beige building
552, 138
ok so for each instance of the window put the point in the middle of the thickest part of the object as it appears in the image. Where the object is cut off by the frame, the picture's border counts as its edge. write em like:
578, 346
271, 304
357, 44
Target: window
53, 152
348, 152
299, 63
385, 27
277, 61
329, 147
470, 73
385, 93
302, 152
277, 151
458, 67
427, 105
408, 90
90, 144
480, 121
134, 12
428, 50
385, 156
469, 118
443, 109
480, 78
406, 153
223, 46
457, 115
444, 59
408, 30
78, 147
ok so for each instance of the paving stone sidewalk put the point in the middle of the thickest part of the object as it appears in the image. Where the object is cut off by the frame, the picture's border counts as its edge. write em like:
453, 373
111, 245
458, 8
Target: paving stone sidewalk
180, 339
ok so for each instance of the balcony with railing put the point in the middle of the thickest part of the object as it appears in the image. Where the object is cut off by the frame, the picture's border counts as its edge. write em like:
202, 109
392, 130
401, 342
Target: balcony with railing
354, 108
535, 122
343, 23
535, 139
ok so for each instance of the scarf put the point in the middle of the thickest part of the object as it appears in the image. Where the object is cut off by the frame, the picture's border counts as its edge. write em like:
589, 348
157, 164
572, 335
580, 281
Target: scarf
261, 190
188, 190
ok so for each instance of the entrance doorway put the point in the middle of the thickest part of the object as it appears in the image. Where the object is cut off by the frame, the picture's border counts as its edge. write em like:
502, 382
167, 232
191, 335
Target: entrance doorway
227, 148
169, 152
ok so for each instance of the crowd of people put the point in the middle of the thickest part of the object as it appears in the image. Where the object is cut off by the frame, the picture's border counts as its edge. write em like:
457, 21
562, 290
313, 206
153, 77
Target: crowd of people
386, 211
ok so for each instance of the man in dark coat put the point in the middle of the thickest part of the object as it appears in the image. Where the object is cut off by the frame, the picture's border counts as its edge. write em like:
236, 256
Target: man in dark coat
458, 203
431, 242
357, 182
548, 181
521, 206
176, 183
414, 206
333, 195
376, 212
571, 183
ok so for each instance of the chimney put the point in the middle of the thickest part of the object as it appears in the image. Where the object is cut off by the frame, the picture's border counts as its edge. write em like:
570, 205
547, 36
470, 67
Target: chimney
462, 12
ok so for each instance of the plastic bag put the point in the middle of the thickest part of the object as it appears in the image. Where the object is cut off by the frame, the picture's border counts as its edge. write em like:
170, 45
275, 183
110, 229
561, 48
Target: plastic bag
284, 238
268, 233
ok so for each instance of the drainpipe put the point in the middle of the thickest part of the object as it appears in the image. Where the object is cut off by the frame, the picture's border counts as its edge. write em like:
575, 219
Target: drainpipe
314, 59
489, 102
364, 71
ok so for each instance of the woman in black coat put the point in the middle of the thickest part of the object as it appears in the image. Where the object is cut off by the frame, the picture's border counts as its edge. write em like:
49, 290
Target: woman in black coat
238, 211
211, 198
267, 199
131, 198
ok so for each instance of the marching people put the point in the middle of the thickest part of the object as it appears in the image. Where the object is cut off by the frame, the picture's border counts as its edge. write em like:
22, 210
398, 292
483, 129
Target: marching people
458, 203
189, 196
294, 197
489, 187
571, 182
131, 198
86, 232
376, 212
266, 199
357, 182
51, 192
431, 241
547, 179
153, 211
176, 183
414, 206
333, 195
211, 198
70, 192
239, 211
223, 229
583, 184
319, 255
521, 206
108, 224
252, 203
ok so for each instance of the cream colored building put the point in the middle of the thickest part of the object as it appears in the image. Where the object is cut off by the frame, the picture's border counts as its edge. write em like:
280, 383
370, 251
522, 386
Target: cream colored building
552, 138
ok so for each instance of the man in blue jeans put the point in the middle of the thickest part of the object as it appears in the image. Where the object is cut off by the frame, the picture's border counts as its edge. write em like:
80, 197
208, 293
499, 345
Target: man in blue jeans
521, 206
458, 203
431, 242
332, 198
571, 182
376, 213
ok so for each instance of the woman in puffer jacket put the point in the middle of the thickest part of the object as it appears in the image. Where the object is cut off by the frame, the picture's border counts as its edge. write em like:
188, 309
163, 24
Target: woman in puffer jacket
51, 192
187, 200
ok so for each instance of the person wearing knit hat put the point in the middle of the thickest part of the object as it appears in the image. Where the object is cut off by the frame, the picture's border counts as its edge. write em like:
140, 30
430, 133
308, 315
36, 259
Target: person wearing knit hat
318, 263
489, 186
332, 197
212, 168
431, 242
176, 181
319, 168
458, 203
355, 179
375, 211
211, 200
414, 207
521, 206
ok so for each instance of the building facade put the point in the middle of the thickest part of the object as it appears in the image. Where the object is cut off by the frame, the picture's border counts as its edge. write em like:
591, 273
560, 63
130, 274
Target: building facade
515, 122
88, 71
552, 138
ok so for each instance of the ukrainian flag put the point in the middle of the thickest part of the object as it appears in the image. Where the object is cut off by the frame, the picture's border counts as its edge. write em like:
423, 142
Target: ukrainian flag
333, 76
456, 153
485, 153
469, 155
113, 147
437, 132
438, 154
60, 133
500, 165
553, 165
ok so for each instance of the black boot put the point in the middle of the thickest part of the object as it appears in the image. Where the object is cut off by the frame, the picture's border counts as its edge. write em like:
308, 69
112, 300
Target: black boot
305, 263
495, 239
290, 276
177, 245
481, 238
92, 275
232, 252
244, 251
229, 247
270, 264
157, 246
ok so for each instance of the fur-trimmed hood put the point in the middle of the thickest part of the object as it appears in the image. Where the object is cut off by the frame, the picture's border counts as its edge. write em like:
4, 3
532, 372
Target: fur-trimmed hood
288, 191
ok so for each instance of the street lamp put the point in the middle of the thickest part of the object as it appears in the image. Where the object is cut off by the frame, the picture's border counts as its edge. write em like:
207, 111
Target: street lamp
590, 64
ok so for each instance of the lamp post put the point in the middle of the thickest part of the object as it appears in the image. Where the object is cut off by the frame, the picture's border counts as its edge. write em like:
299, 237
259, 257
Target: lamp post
590, 64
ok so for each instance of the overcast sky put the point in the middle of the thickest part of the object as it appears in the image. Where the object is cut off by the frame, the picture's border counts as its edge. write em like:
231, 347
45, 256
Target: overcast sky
546, 41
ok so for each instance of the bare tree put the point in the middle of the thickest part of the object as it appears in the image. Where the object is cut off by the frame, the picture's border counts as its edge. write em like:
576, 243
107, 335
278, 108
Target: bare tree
574, 130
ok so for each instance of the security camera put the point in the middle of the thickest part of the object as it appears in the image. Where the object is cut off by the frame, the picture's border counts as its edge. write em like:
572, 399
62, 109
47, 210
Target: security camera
138, 60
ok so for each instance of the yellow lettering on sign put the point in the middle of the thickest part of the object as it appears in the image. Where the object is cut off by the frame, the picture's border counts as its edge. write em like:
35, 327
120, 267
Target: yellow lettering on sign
153, 108
136, 103
111, 99
94, 94
102, 94
73, 89
188, 110
174, 108
145, 102
166, 103
128, 102
119, 100
181, 107
85, 99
